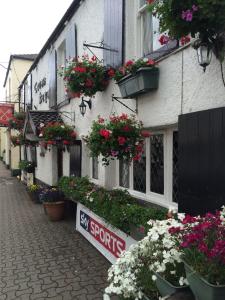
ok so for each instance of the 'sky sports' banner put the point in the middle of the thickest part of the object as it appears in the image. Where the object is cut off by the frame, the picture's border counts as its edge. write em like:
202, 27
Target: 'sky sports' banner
6, 112
107, 239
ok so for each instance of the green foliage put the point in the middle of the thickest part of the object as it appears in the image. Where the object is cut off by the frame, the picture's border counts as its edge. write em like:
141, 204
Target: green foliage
117, 207
84, 76
33, 188
26, 165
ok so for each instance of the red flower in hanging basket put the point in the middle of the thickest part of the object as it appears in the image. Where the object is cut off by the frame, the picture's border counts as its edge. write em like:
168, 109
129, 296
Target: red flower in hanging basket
145, 133
65, 142
50, 142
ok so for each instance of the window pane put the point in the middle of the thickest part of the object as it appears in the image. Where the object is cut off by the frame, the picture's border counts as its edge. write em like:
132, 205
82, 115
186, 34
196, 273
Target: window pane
142, 3
147, 32
175, 166
124, 174
95, 167
157, 164
139, 170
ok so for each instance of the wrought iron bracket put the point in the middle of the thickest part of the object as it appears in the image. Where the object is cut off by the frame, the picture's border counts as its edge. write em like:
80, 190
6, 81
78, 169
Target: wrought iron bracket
71, 116
114, 98
98, 45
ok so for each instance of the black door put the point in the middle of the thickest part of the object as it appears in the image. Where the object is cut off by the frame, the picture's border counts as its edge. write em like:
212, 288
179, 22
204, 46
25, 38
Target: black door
75, 159
60, 162
201, 161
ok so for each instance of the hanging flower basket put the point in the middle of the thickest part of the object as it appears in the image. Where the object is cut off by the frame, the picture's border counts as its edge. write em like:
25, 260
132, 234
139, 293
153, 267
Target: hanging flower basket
58, 134
17, 140
136, 77
120, 137
17, 121
204, 19
84, 76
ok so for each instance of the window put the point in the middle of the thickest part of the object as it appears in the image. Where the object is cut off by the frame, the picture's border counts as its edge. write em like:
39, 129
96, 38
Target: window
124, 174
154, 177
95, 167
139, 174
157, 164
148, 30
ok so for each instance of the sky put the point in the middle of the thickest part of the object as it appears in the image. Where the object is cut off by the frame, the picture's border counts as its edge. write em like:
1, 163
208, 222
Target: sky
25, 26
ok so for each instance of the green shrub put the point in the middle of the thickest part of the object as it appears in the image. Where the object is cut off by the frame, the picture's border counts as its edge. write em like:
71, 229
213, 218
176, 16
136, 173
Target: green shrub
117, 207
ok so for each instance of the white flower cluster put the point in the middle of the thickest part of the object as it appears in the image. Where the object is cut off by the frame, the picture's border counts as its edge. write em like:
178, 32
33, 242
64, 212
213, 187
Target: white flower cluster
222, 215
155, 252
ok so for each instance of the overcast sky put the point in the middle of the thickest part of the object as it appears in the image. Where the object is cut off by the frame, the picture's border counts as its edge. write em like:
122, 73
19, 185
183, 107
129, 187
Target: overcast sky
25, 26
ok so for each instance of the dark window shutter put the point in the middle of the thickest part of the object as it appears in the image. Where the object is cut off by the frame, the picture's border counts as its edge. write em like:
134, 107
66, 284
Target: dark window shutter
113, 32
75, 159
71, 42
201, 172
52, 92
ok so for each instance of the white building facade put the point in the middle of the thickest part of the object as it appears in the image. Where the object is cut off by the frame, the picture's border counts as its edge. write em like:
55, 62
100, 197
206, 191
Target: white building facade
183, 88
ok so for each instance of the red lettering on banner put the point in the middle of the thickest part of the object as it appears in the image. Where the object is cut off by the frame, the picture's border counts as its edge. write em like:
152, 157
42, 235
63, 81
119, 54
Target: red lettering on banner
107, 238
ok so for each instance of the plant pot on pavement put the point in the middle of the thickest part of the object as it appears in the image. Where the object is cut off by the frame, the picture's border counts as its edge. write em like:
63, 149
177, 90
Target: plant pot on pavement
201, 288
54, 210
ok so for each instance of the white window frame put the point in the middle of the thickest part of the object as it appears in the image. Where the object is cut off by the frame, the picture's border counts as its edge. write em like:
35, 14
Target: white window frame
139, 32
165, 200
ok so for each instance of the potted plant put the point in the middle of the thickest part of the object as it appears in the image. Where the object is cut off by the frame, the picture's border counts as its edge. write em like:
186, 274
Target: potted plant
120, 137
84, 76
34, 191
136, 77
195, 17
57, 133
53, 202
27, 166
202, 244
153, 263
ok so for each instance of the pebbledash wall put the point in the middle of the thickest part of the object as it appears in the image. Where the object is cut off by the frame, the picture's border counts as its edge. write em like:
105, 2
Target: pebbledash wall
183, 88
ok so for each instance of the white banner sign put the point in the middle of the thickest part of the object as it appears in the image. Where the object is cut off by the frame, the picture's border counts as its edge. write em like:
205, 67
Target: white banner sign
109, 240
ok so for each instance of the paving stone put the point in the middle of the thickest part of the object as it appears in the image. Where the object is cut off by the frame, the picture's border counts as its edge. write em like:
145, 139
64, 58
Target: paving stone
40, 259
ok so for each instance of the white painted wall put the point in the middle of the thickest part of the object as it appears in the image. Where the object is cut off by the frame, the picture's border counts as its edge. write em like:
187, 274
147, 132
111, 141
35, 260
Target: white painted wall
183, 87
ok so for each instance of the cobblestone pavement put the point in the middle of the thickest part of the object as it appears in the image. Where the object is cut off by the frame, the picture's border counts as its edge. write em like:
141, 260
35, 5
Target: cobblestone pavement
40, 259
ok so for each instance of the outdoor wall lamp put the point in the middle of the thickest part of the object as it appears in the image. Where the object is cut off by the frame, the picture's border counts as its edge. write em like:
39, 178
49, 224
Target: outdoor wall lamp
83, 106
204, 53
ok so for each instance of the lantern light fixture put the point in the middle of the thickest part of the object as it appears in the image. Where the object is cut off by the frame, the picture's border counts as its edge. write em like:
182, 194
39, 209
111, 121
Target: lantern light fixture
204, 53
83, 106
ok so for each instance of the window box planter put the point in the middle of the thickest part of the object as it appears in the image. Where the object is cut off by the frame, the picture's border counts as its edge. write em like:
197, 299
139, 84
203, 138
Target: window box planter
107, 239
145, 80
201, 288
166, 288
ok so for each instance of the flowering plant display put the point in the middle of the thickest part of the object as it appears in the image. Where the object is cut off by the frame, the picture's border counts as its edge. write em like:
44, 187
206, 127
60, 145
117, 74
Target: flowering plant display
195, 17
120, 137
55, 133
17, 121
157, 252
84, 76
202, 245
51, 194
131, 67
17, 140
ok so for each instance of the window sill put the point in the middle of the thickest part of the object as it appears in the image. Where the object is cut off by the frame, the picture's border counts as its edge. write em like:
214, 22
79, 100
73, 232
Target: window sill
152, 198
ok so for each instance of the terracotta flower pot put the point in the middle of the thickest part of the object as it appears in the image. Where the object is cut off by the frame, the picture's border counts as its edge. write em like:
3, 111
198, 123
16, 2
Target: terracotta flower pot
55, 210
